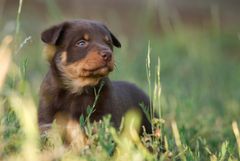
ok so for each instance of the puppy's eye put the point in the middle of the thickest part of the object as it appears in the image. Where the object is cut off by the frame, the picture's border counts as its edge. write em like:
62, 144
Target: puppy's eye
81, 43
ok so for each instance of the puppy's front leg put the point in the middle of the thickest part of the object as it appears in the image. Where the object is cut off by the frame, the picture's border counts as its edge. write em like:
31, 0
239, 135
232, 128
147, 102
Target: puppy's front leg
47, 109
71, 131
75, 135
45, 117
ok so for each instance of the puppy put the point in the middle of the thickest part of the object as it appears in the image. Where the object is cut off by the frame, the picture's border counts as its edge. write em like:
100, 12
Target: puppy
80, 54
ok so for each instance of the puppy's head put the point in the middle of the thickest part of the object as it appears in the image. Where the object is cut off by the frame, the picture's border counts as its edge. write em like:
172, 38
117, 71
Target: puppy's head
82, 51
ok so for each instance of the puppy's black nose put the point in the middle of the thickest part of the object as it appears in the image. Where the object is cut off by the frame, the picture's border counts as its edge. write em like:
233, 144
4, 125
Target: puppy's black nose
106, 54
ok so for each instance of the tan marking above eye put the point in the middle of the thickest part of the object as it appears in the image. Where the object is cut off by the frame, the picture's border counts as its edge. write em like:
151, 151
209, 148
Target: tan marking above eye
106, 38
86, 37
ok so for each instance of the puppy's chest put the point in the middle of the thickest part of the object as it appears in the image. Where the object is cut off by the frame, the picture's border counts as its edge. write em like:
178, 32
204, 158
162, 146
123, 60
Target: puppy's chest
77, 105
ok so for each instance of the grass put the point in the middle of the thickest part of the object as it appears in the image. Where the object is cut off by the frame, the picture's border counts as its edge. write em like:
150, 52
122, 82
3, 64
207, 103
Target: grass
197, 100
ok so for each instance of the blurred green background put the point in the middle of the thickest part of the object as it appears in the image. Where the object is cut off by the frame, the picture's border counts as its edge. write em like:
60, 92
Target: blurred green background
198, 43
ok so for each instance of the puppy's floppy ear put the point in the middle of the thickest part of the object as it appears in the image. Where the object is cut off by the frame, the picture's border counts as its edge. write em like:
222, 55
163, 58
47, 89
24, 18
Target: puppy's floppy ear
114, 39
52, 34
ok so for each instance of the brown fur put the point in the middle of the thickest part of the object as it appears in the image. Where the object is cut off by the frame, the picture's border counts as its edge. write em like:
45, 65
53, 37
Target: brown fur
81, 57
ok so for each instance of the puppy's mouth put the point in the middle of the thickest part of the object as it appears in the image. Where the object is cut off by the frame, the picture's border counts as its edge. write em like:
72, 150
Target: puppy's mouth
96, 72
96, 68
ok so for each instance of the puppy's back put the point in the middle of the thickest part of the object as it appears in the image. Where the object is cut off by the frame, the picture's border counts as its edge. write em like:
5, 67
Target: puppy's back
130, 92
129, 95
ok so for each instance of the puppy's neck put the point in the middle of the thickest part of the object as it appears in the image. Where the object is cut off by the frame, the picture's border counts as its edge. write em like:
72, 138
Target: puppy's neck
89, 90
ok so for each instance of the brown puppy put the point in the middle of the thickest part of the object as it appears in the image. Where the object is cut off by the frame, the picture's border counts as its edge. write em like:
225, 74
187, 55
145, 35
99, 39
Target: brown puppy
80, 54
